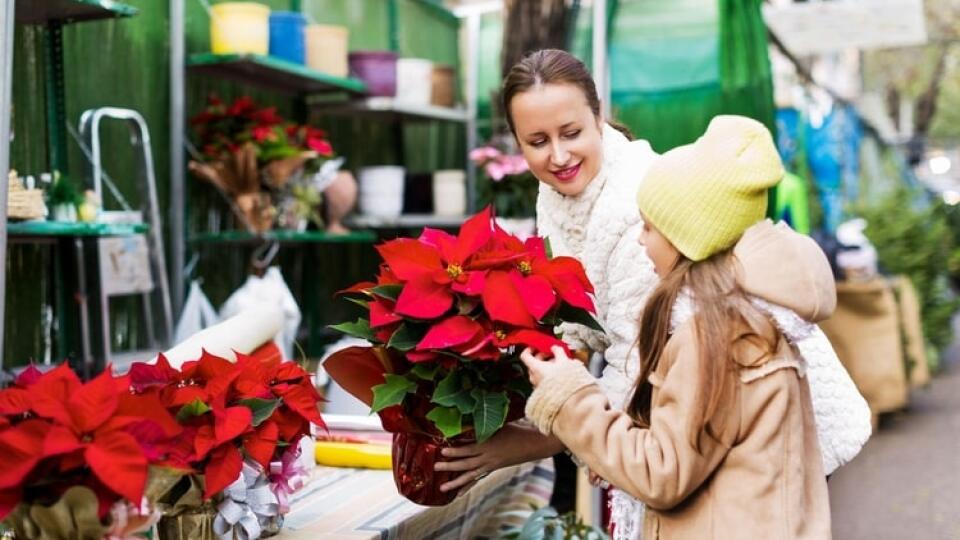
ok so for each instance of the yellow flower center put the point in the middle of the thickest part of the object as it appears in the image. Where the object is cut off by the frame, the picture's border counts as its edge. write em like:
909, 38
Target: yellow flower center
454, 271
525, 267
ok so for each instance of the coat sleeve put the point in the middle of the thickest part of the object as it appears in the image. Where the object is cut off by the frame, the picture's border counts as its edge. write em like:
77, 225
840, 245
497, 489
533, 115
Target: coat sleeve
658, 465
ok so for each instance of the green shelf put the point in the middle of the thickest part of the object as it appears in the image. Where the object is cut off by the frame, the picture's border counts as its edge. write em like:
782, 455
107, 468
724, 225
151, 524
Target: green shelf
60, 228
272, 73
290, 237
66, 11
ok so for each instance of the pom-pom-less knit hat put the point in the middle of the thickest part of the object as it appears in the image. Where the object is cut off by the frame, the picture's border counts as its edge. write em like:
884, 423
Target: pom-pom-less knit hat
703, 196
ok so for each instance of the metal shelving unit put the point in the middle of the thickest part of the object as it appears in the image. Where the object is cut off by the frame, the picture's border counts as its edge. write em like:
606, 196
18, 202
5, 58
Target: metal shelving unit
54, 14
387, 108
272, 73
286, 237
69, 11
406, 221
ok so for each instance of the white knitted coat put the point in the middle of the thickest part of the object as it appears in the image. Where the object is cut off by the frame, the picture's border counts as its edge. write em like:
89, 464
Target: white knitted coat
601, 227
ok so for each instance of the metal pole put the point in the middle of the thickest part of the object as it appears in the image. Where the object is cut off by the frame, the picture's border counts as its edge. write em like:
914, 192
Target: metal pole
6, 101
177, 126
472, 82
600, 75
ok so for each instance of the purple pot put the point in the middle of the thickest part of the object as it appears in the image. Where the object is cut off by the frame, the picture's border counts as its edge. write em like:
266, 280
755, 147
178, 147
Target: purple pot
378, 69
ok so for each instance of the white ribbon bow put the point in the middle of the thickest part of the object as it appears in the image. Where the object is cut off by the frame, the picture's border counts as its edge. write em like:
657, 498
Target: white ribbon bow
248, 504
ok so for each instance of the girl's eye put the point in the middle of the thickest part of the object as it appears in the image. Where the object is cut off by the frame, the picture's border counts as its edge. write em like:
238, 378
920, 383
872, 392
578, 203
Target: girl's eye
572, 134
537, 143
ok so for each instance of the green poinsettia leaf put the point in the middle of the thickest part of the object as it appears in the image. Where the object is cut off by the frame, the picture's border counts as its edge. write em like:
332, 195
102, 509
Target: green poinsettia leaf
447, 420
405, 338
191, 409
426, 371
452, 392
360, 329
568, 313
390, 292
489, 413
391, 392
365, 304
261, 408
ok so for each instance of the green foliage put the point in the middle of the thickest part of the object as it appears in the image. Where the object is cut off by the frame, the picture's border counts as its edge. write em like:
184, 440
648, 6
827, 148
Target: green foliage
391, 392
512, 197
545, 523
913, 237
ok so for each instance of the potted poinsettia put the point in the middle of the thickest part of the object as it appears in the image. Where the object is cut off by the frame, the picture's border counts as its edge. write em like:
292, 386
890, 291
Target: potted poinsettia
82, 460
447, 319
255, 156
242, 424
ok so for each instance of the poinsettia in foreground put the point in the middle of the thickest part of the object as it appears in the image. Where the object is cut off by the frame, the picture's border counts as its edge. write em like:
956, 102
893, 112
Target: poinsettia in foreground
57, 432
230, 411
448, 316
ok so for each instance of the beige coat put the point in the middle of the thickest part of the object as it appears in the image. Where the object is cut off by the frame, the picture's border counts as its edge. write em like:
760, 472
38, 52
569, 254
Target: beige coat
762, 476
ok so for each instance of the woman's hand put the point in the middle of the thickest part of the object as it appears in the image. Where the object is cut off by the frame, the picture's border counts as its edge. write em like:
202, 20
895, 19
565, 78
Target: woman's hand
512, 445
539, 366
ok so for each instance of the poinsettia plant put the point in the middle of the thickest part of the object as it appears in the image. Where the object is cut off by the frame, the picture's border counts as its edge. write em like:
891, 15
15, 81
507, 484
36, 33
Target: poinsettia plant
447, 318
231, 411
57, 433
223, 128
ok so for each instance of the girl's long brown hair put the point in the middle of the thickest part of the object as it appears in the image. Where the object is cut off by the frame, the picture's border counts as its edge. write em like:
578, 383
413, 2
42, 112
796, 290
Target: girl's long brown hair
721, 310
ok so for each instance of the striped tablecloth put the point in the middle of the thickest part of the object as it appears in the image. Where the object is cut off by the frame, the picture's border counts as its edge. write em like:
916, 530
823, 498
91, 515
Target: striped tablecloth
362, 503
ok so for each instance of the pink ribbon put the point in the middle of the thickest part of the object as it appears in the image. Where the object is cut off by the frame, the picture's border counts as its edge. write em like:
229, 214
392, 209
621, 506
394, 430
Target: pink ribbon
128, 522
287, 476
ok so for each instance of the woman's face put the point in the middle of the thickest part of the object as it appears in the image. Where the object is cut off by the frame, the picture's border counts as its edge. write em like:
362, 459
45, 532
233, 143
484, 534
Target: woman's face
659, 249
558, 135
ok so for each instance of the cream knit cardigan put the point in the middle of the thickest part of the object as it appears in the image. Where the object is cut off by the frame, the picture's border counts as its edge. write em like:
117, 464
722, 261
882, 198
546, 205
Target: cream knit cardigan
601, 227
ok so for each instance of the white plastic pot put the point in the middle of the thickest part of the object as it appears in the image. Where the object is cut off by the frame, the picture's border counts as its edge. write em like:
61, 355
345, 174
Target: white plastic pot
449, 192
381, 191
414, 81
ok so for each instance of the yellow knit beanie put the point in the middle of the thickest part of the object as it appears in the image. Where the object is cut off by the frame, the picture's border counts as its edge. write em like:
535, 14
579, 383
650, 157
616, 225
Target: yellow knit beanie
703, 196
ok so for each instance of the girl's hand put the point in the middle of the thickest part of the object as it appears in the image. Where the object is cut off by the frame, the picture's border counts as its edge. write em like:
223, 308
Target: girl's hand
512, 445
539, 366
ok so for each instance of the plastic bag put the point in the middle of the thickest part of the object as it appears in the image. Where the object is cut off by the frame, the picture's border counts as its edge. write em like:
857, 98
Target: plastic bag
269, 290
198, 313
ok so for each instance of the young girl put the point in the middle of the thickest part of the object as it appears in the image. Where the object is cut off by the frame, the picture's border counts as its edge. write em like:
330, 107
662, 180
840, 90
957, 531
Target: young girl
718, 438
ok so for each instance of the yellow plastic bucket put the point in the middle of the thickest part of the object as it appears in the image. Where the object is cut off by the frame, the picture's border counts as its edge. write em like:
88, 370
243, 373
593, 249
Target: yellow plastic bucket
239, 28
327, 49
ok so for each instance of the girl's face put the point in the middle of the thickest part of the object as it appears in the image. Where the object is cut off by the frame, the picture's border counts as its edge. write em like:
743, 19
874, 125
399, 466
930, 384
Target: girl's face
659, 249
559, 136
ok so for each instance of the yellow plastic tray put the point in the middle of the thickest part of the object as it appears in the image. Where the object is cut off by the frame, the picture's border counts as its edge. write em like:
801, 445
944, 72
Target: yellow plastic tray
360, 455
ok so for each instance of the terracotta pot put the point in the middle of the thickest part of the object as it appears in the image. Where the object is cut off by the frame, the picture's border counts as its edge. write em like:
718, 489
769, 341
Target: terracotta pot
340, 197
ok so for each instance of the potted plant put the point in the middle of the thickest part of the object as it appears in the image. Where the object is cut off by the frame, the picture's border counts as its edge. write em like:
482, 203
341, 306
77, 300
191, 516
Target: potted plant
446, 319
242, 424
252, 155
82, 460
508, 186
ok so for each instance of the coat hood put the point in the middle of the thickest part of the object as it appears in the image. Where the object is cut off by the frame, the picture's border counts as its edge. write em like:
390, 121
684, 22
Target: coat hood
786, 268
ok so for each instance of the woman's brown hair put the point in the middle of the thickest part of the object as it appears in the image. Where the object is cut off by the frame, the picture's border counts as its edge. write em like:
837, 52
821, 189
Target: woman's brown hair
551, 66
721, 310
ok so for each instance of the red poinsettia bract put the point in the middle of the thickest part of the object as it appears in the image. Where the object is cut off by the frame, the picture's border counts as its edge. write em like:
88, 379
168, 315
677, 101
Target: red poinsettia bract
55, 425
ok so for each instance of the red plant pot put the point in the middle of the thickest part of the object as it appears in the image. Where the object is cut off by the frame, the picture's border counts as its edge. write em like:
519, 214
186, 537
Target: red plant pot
414, 455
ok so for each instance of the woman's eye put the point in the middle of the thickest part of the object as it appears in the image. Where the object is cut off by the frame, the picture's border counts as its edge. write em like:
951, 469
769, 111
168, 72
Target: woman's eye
537, 143
572, 134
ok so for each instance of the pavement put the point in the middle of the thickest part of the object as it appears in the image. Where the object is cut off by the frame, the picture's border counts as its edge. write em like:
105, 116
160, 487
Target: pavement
905, 484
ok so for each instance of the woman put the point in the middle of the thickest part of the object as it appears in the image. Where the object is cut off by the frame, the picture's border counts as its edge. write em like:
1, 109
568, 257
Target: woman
589, 173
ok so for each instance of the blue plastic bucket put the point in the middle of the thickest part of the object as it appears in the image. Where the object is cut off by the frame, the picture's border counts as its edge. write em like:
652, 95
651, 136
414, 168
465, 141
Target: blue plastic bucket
286, 36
